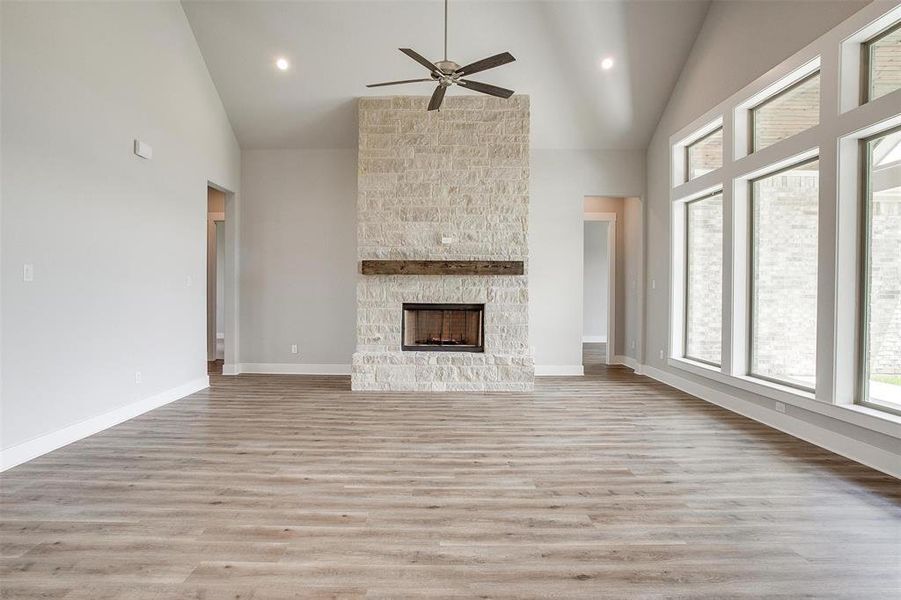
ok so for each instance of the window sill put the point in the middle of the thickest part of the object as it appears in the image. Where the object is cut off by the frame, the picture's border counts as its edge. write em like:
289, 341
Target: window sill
861, 416
782, 393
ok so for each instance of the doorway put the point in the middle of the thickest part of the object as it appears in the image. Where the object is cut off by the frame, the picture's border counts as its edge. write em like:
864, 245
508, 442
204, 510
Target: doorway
620, 218
215, 280
598, 304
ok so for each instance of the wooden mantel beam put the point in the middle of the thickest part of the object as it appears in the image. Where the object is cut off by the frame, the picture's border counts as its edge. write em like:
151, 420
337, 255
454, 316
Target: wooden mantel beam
442, 267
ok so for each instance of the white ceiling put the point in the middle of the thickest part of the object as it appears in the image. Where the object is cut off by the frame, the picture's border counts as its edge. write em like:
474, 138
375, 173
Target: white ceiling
336, 47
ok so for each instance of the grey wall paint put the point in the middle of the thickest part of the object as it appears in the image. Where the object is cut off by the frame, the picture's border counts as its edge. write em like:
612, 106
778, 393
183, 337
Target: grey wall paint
560, 181
220, 278
298, 250
112, 237
633, 312
298, 256
738, 42
595, 300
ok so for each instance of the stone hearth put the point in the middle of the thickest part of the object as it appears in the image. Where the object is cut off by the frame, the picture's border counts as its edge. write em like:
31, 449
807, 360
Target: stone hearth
449, 185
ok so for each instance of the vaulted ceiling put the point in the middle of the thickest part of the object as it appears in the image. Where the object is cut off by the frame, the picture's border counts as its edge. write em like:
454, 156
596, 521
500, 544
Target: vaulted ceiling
336, 47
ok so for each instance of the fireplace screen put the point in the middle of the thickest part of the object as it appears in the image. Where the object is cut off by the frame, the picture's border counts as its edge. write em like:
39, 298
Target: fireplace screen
443, 327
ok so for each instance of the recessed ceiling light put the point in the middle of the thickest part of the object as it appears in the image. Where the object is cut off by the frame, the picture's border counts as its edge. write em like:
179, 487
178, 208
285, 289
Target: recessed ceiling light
282, 64
607, 63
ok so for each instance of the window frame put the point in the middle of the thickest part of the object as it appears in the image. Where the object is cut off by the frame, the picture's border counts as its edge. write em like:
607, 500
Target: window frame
752, 110
864, 259
866, 51
842, 123
685, 275
688, 146
752, 273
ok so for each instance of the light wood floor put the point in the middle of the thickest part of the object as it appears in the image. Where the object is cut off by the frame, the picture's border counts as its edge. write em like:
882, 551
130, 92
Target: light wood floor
594, 357
609, 486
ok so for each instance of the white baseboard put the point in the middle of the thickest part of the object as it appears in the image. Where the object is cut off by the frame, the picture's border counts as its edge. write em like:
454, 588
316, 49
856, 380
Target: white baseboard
16, 455
559, 370
231, 369
871, 456
594, 339
628, 361
293, 369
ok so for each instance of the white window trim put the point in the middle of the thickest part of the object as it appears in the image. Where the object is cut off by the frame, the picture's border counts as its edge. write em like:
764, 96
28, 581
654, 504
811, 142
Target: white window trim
862, 416
679, 166
678, 305
835, 140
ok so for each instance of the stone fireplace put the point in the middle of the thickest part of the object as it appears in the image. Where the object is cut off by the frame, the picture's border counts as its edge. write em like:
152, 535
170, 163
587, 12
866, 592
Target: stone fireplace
447, 190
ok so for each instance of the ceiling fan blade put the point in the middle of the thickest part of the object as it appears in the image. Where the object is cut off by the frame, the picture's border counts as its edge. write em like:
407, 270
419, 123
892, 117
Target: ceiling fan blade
420, 59
437, 97
486, 63
398, 82
486, 88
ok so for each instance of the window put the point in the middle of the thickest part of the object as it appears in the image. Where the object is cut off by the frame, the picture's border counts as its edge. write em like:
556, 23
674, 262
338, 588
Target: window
791, 111
704, 279
784, 211
881, 347
882, 63
778, 254
704, 155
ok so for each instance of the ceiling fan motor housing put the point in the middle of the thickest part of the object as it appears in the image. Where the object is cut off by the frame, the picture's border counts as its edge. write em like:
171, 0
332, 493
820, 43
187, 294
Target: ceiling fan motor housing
447, 66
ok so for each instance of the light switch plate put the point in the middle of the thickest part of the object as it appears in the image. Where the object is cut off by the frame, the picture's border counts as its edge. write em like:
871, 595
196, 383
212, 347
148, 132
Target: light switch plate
28, 273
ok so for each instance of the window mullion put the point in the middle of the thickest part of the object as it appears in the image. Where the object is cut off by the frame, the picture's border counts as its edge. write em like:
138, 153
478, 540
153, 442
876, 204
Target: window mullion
729, 124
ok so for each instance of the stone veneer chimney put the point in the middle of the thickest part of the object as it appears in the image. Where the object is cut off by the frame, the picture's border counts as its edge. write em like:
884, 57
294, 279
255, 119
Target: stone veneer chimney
443, 185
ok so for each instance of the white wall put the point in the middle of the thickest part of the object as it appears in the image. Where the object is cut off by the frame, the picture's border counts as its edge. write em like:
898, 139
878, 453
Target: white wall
298, 259
739, 41
595, 301
560, 181
112, 237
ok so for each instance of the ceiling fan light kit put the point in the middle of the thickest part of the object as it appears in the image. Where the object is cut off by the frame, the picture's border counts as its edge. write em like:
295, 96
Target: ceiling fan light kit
447, 73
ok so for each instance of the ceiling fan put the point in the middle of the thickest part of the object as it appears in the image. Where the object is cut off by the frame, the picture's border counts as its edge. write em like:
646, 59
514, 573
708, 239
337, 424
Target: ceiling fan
448, 73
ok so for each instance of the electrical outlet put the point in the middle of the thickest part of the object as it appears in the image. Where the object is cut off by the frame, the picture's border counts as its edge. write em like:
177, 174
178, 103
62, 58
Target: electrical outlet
28, 273
138, 377
189, 281
293, 348
653, 284
632, 344
779, 406
661, 355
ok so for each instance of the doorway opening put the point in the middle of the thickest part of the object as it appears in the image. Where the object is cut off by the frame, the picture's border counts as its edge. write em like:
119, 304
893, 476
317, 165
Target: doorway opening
599, 290
613, 269
596, 304
215, 280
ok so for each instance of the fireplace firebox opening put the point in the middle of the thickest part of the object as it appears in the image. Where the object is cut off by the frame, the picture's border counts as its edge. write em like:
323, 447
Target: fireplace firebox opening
443, 327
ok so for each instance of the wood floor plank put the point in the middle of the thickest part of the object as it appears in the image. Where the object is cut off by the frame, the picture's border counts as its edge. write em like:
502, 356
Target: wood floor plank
607, 486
